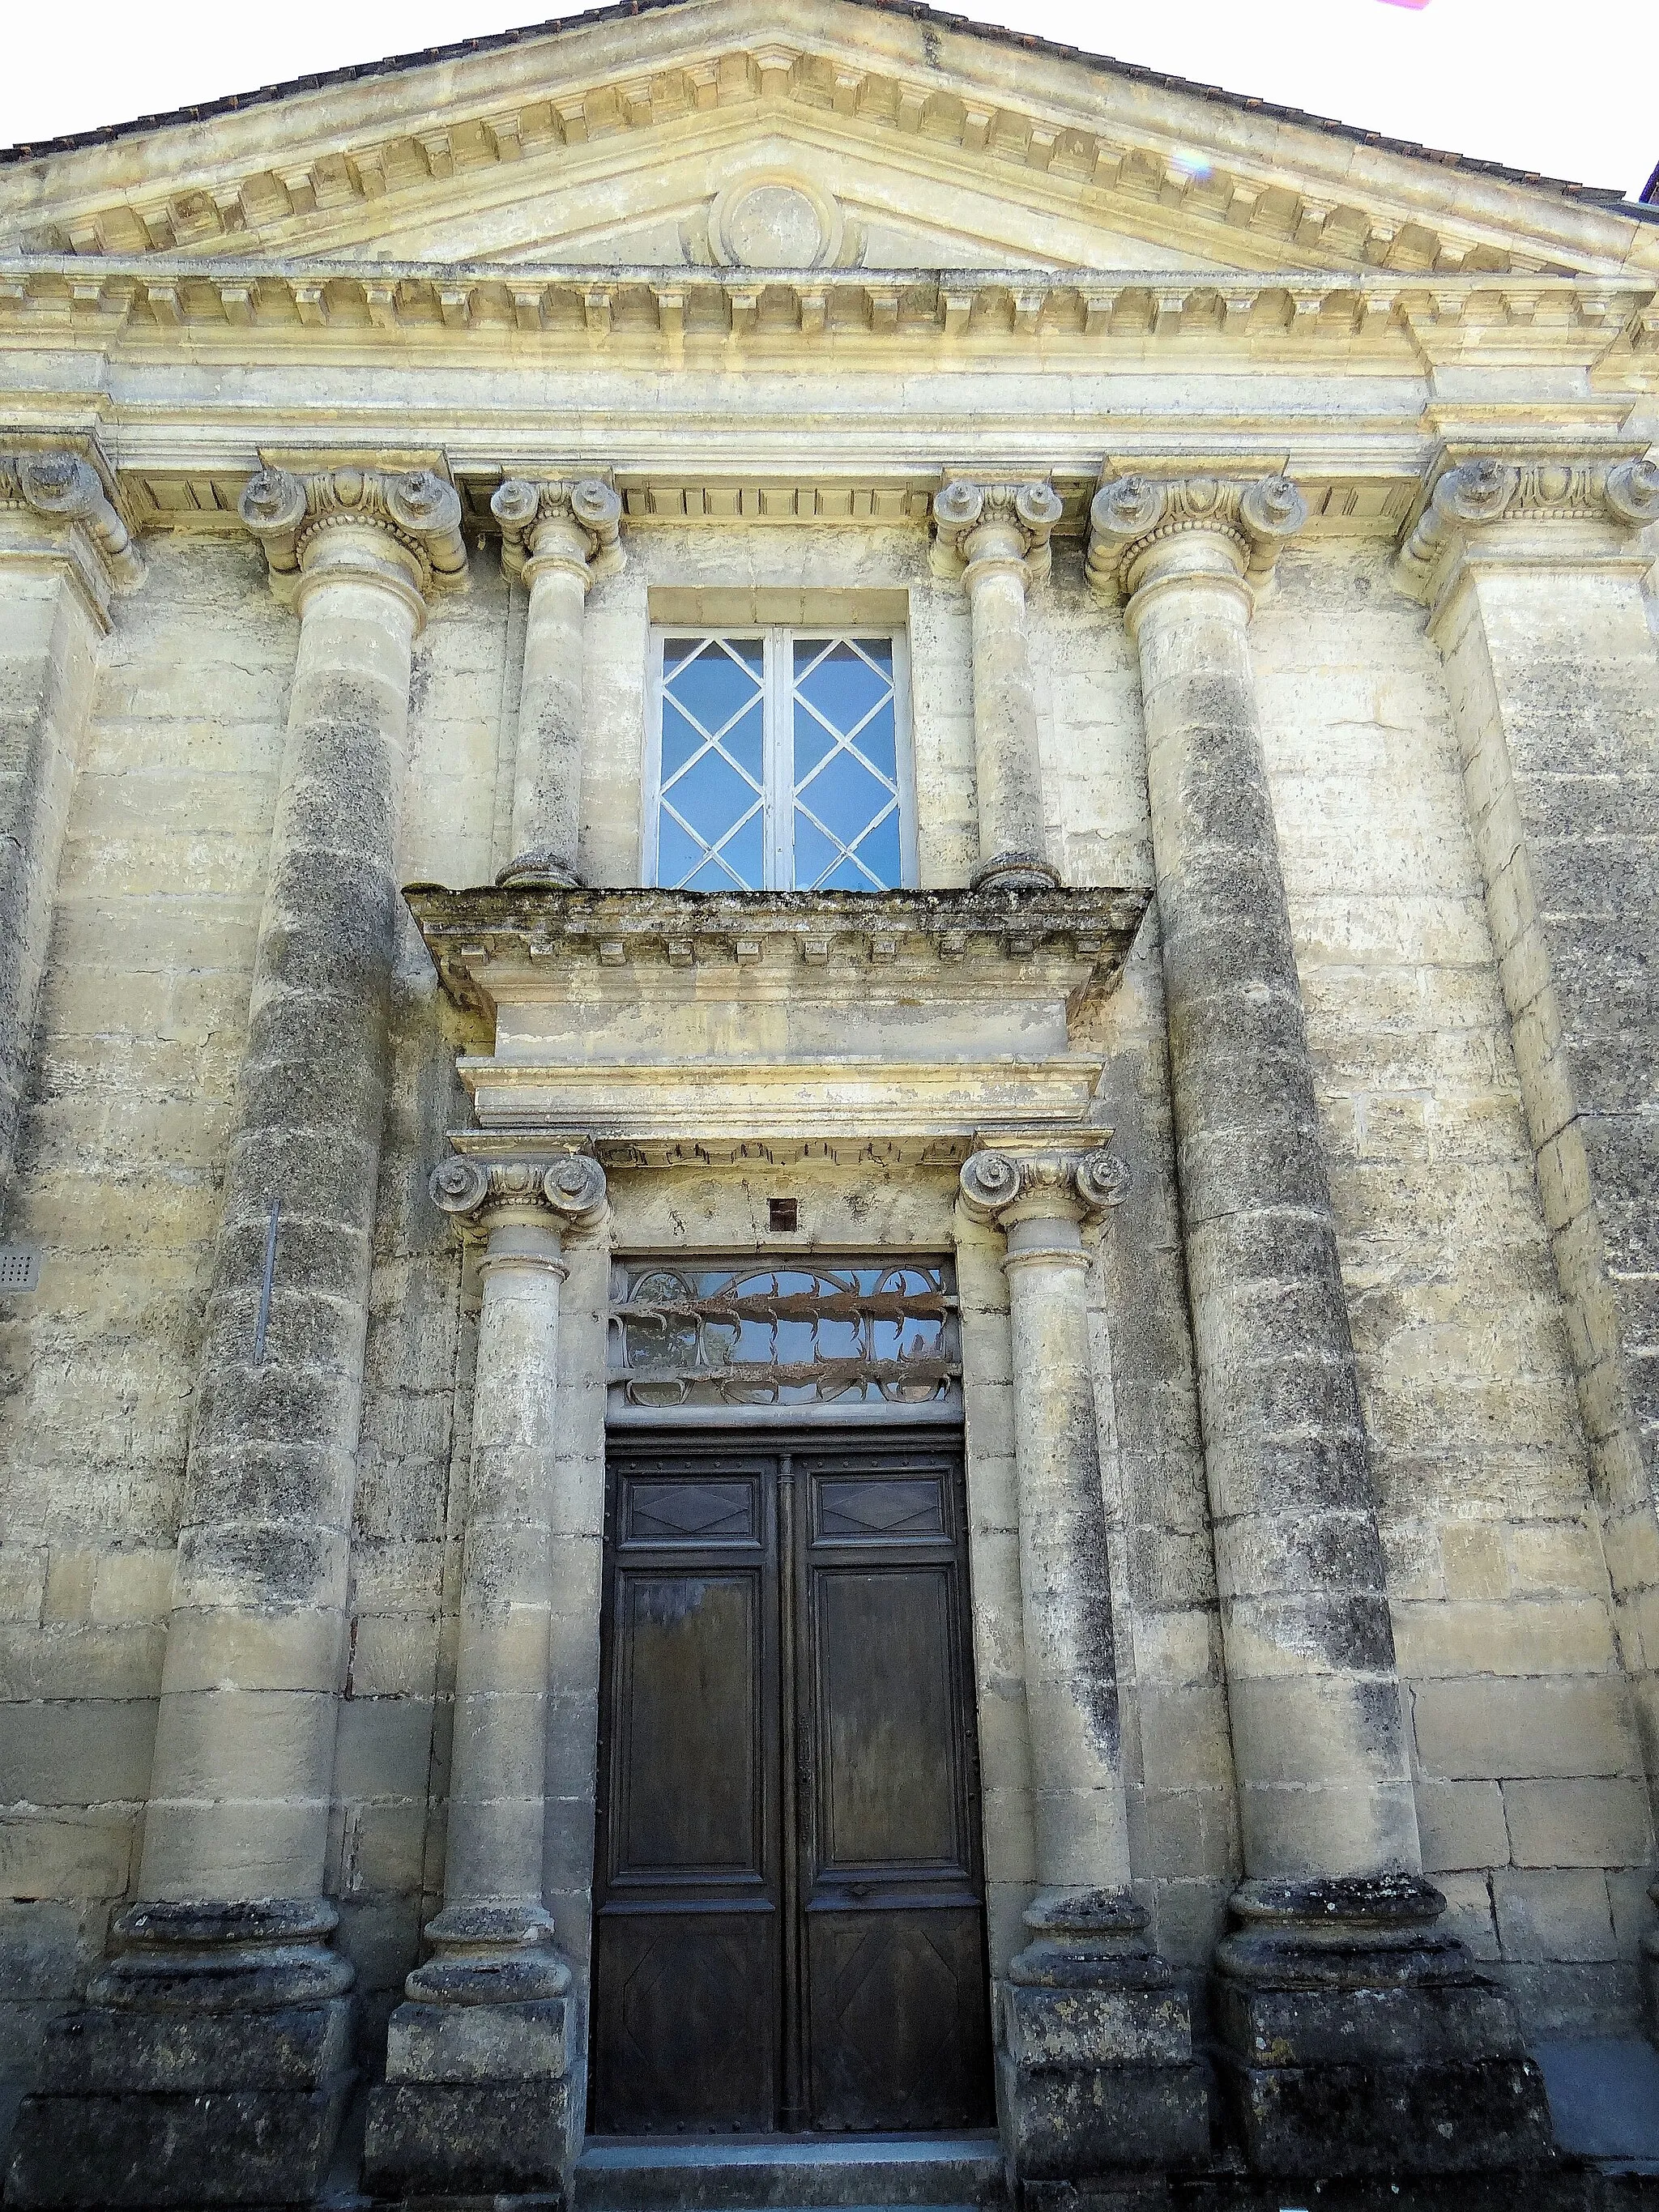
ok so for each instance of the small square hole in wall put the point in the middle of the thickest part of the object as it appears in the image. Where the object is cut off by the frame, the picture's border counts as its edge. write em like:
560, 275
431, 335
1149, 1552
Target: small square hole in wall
783, 1214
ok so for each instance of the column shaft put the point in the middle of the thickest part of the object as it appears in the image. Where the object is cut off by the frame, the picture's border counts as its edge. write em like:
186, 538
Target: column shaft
995, 537
477, 2096
546, 783
1095, 2056
1006, 766
494, 1841
244, 1744
558, 537
1071, 1674
1340, 2006
1318, 1728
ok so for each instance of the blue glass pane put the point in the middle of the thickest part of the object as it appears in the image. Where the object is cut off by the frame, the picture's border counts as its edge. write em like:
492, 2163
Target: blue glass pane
842, 685
813, 742
677, 854
710, 797
814, 855
847, 876
710, 877
879, 852
713, 686
745, 852
877, 743
844, 796
680, 740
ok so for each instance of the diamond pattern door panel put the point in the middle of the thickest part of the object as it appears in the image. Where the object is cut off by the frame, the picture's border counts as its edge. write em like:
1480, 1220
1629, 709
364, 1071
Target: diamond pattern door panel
789, 1926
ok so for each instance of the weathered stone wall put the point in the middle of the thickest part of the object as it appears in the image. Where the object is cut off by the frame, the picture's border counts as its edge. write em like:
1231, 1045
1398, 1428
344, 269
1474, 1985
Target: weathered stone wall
1530, 1800
1532, 1806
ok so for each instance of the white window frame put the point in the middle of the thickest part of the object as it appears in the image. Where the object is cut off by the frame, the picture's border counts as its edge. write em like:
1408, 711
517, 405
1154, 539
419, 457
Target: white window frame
778, 738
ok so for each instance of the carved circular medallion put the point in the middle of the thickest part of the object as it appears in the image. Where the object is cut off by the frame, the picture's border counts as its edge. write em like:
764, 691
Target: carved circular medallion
774, 220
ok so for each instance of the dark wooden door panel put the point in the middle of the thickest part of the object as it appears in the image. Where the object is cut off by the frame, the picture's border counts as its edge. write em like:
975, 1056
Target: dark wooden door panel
890, 1781
789, 1908
688, 1734
900, 2030
684, 2034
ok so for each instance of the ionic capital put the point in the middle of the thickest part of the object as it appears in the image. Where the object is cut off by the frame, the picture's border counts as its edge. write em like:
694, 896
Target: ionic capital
576, 524
1469, 497
65, 493
403, 527
480, 1195
981, 526
1144, 529
1013, 1180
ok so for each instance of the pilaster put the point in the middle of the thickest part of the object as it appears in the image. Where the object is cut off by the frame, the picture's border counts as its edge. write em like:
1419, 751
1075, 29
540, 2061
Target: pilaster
1095, 2066
484, 2078
995, 539
1531, 566
558, 537
64, 554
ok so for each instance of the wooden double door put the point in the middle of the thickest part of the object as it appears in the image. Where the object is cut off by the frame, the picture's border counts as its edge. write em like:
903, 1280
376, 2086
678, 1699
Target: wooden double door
790, 1920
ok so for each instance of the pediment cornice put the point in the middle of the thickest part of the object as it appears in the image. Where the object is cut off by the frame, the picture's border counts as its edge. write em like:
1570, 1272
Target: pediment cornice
329, 171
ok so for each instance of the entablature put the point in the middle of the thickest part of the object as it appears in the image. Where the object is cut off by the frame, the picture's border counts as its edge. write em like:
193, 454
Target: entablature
645, 1017
258, 307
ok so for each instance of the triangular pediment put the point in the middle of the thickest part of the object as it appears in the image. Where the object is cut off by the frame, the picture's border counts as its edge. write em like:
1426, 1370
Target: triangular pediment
762, 193
785, 133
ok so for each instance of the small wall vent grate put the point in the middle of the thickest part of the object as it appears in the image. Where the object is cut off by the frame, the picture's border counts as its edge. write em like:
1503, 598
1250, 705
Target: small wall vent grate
20, 1267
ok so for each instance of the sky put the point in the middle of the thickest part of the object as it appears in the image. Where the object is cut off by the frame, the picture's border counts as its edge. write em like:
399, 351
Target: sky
1565, 87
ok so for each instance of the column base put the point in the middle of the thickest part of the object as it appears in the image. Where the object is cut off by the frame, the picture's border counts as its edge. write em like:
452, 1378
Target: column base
212, 2065
1014, 872
1096, 2081
480, 2096
1357, 2039
541, 865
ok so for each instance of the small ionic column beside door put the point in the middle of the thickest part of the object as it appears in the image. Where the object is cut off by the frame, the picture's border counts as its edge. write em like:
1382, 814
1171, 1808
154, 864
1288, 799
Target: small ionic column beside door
1335, 1902
995, 539
477, 2097
1095, 2050
558, 537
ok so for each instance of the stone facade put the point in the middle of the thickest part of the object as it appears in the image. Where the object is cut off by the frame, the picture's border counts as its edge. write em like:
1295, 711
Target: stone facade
1262, 1029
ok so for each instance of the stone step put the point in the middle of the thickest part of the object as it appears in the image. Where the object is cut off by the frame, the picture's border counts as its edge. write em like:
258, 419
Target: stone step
772, 2174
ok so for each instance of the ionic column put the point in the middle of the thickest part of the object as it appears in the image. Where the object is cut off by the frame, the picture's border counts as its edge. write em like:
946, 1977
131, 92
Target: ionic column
224, 1985
1095, 2049
558, 537
1333, 1896
995, 537
1532, 568
476, 2097
65, 552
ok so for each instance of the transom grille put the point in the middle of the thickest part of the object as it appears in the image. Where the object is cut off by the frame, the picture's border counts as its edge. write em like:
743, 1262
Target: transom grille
857, 1332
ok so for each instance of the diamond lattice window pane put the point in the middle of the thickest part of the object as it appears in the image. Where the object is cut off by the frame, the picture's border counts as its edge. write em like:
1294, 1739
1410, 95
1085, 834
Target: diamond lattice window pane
846, 793
711, 833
